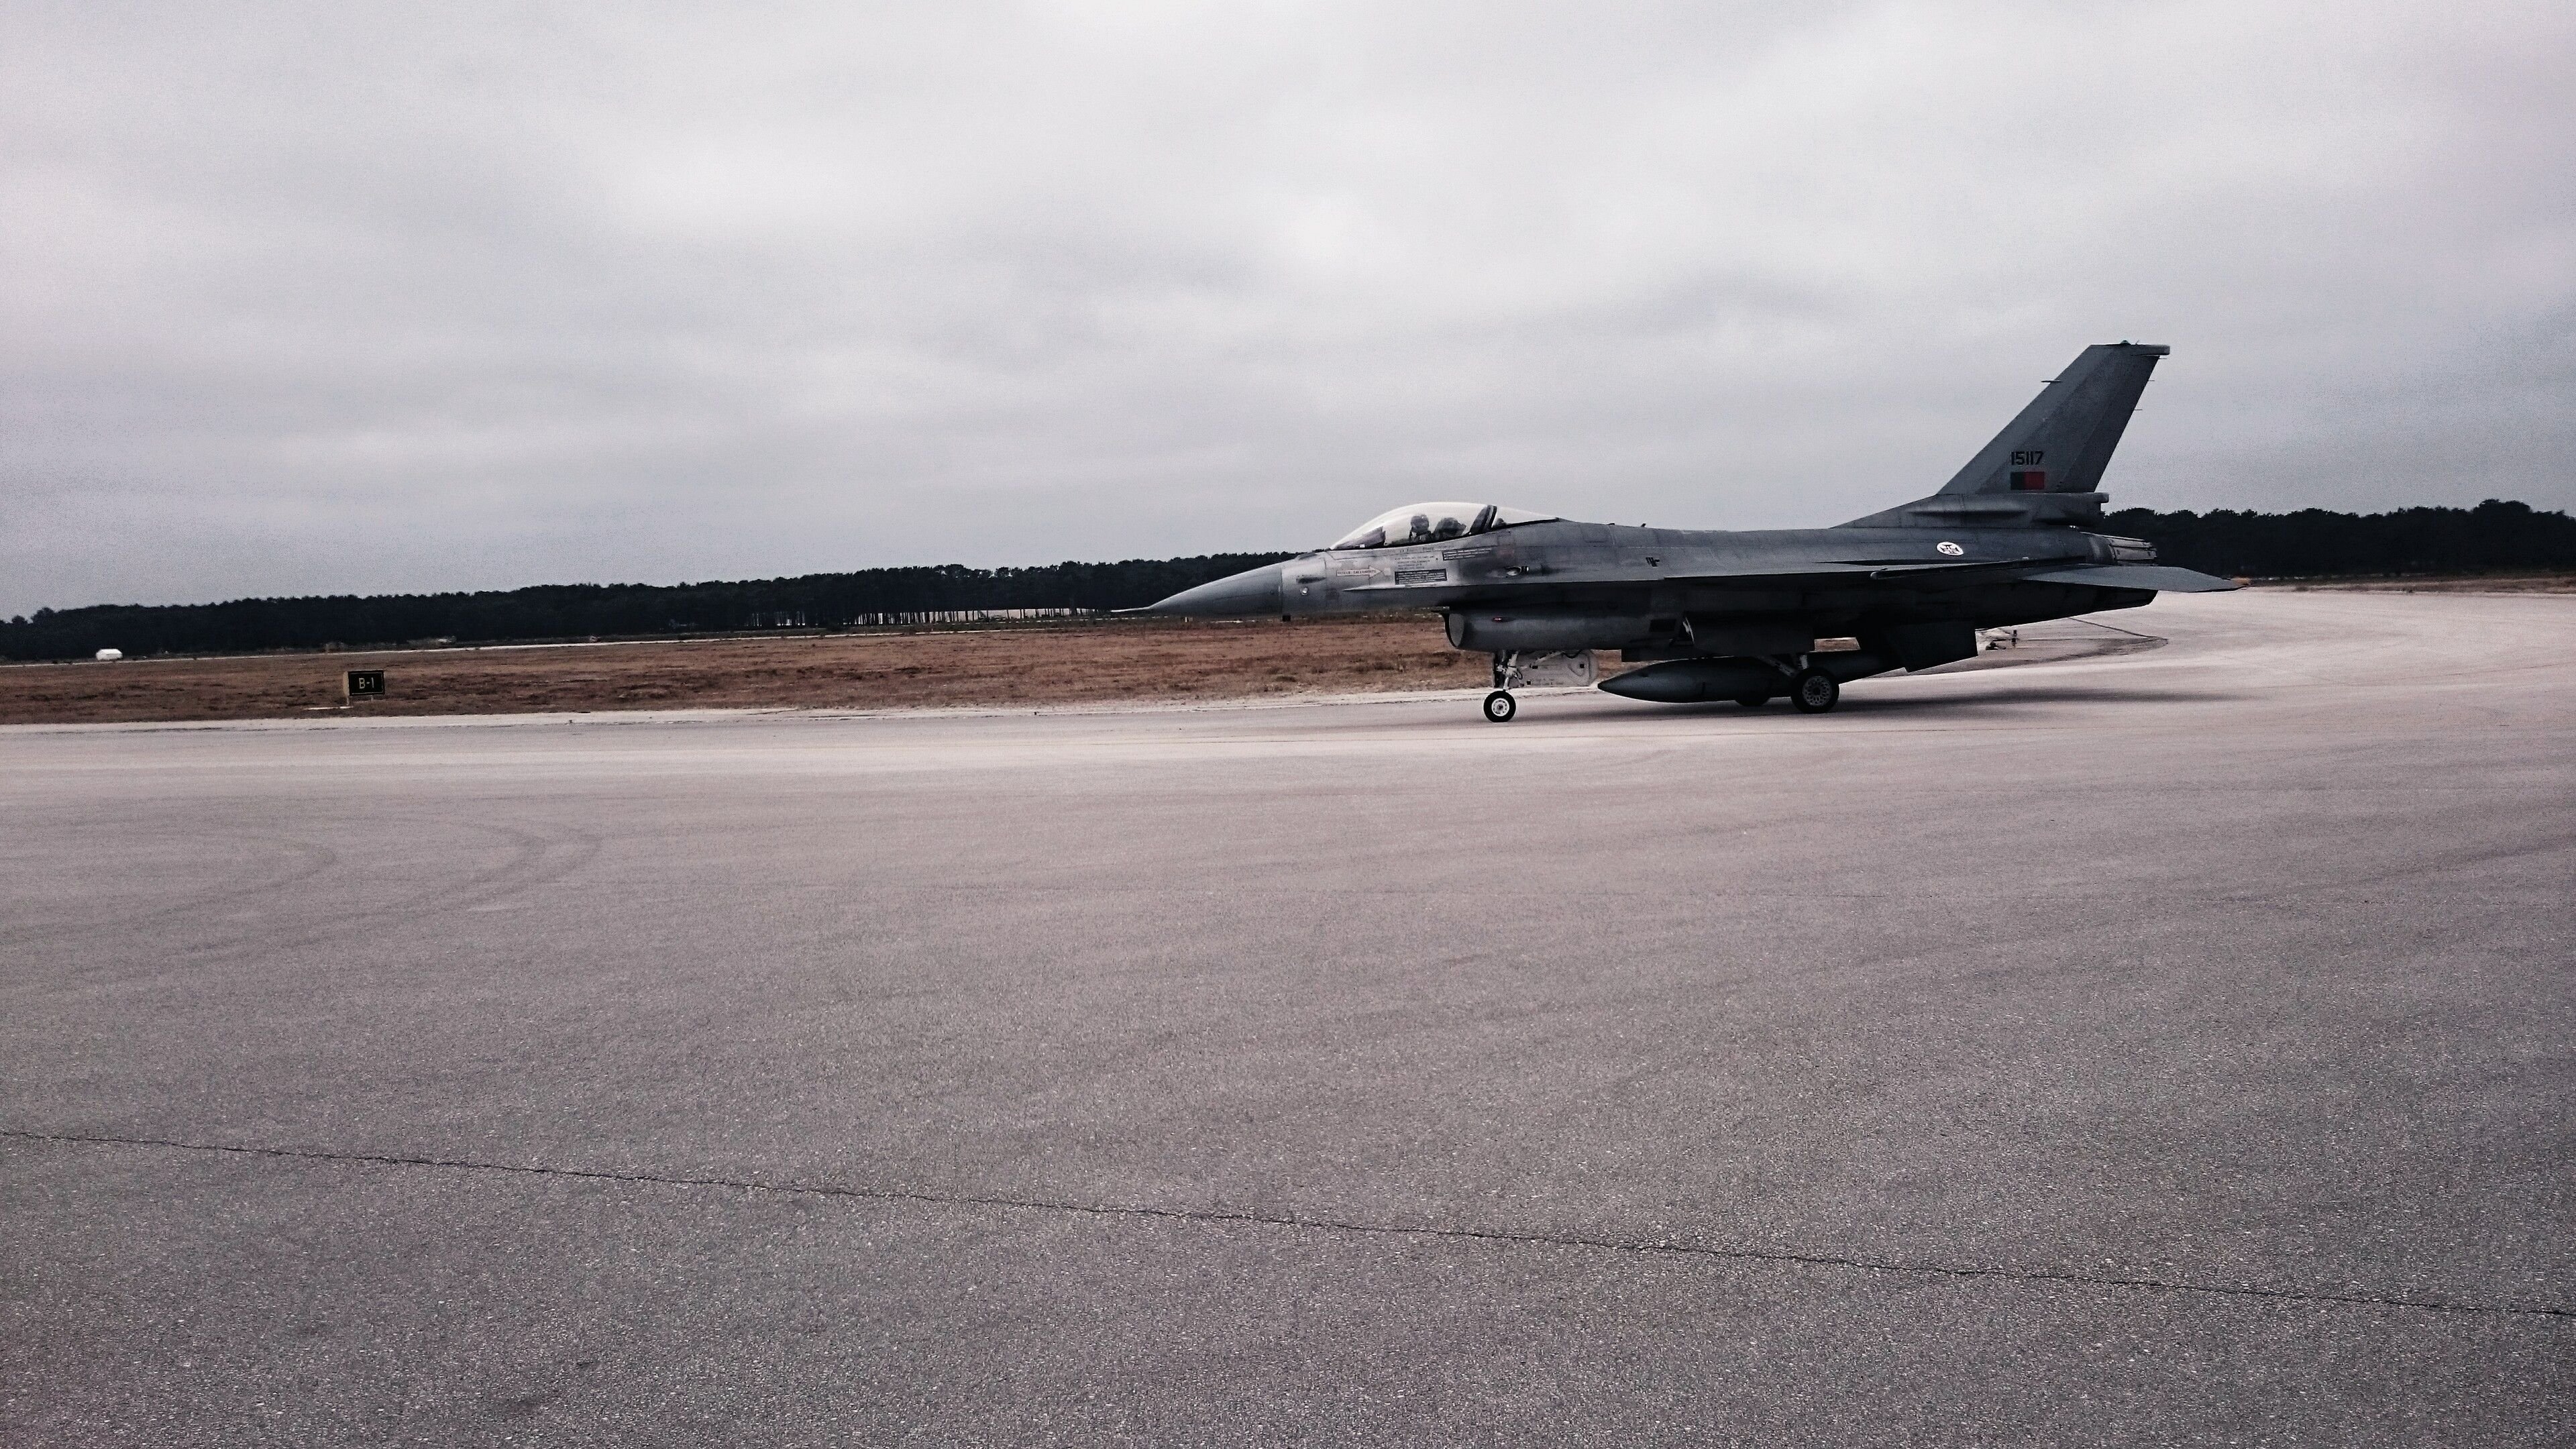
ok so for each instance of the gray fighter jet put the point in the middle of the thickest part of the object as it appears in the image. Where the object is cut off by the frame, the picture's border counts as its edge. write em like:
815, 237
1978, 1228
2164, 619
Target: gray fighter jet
1720, 615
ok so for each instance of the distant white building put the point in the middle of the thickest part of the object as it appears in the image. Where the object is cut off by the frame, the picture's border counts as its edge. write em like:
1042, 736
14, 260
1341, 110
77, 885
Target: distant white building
111, 654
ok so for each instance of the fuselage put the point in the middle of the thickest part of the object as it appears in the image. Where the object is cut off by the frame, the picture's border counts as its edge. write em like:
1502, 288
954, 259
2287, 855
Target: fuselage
1749, 615
1836, 580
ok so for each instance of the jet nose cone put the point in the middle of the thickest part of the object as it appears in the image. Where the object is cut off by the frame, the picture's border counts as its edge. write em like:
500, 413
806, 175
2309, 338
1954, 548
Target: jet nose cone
1253, 591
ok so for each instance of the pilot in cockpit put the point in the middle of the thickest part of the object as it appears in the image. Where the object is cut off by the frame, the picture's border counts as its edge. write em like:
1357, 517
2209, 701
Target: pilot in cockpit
1433, 523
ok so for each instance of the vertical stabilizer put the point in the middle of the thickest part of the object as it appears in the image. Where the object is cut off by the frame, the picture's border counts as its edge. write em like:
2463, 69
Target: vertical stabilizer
2063, 440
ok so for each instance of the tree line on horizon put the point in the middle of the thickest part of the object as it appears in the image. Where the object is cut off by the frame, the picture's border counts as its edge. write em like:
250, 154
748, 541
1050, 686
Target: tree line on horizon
2495, 536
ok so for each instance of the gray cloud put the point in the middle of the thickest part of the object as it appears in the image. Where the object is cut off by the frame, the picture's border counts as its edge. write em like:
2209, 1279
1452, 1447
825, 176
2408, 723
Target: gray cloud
333, 297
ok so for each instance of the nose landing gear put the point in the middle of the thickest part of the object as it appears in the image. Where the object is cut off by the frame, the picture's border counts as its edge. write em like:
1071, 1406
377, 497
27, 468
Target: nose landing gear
1536, 669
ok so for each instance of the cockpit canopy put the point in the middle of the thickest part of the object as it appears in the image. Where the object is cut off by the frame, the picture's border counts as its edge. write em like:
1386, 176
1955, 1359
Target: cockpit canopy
1432, 522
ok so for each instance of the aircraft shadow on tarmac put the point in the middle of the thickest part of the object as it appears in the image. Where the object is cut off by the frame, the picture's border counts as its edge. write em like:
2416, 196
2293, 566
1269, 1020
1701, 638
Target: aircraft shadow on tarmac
1859, 703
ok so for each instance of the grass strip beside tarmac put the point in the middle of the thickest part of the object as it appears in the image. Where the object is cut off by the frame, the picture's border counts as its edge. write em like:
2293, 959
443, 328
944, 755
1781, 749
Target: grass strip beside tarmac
1090, 662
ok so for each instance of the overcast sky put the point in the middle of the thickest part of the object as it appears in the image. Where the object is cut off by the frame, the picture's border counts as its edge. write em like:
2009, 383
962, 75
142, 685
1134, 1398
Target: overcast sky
301, 299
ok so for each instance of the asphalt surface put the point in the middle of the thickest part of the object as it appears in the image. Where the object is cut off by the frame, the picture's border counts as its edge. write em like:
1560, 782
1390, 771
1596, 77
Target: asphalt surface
2167, 1046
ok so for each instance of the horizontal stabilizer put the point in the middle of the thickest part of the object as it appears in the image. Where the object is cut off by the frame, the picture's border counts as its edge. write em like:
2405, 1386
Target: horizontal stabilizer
2164, 578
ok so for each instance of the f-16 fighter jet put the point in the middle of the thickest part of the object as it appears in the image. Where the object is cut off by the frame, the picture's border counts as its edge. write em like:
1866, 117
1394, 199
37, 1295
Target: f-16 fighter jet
1719, 615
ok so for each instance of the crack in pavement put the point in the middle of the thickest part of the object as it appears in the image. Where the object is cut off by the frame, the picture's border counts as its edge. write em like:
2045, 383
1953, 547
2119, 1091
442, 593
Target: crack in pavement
1335, 1225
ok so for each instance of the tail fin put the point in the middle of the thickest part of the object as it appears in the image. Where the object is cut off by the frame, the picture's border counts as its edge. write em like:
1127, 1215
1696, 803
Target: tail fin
2063, 440
2046, 465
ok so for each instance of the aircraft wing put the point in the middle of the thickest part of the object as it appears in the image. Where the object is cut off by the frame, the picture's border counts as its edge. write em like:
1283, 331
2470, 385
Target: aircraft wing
2163, 577
1855, 571
1912, 574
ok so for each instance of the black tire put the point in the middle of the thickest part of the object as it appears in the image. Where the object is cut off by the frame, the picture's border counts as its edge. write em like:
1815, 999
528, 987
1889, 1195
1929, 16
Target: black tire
1753, 701
1500, 707
1814, 691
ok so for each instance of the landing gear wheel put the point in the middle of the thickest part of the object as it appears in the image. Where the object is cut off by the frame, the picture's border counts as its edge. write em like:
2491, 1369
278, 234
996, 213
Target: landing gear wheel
1753, 701
1814, 691
1500, 708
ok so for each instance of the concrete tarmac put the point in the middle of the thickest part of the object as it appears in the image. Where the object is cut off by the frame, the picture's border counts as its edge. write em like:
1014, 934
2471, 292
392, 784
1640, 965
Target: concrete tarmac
2176, 1046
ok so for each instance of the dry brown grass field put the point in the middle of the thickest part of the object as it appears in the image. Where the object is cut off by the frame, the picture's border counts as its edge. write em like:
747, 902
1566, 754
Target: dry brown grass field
1055, 664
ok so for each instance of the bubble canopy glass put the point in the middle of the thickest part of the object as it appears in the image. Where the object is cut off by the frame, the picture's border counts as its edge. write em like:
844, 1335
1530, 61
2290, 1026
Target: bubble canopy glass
1432, 522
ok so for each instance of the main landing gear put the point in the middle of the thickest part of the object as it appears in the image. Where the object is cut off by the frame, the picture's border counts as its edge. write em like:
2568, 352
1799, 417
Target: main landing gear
1499, 707
1814, 691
